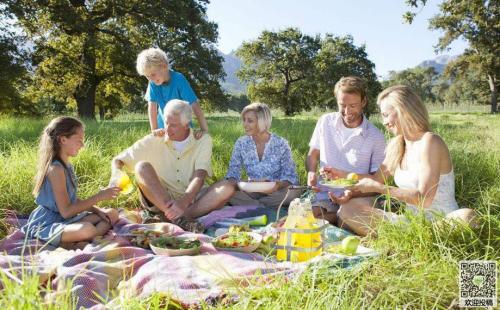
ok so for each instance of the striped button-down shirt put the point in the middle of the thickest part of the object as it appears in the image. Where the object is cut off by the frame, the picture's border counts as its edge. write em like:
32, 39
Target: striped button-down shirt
362, 152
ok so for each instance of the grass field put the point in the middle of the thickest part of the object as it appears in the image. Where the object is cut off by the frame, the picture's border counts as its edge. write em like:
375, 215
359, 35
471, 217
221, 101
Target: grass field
417, 267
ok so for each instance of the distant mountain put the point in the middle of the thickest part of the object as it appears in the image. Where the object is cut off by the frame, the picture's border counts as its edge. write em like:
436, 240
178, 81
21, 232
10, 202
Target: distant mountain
231, 65
438, 63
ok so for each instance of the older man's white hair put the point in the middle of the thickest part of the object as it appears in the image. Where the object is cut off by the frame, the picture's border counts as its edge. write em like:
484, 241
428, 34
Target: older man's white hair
150, 59
180, 108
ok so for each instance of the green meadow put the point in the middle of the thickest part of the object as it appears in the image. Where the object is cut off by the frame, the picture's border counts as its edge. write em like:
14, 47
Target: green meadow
418, 263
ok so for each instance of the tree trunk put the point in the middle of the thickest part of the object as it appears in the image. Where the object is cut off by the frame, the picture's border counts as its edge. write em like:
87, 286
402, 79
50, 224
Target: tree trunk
493, 88
85, 91
102, 112
286, 103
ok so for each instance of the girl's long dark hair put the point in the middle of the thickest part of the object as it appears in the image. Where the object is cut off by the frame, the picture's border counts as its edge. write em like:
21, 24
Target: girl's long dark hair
63, 126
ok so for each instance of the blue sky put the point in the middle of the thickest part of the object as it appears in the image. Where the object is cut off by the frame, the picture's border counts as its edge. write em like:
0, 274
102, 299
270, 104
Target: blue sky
390, 43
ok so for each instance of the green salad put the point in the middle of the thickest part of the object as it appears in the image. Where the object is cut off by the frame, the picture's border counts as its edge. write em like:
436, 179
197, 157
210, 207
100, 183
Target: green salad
176, 243
233, 240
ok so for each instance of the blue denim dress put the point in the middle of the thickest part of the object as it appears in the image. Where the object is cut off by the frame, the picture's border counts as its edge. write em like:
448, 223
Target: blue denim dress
45, 222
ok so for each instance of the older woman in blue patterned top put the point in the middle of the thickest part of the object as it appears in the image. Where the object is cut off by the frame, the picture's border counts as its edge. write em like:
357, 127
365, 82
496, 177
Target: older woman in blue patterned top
264, 156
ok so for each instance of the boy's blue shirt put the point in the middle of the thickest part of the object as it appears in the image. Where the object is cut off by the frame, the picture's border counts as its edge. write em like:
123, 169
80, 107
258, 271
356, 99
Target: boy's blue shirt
176, 88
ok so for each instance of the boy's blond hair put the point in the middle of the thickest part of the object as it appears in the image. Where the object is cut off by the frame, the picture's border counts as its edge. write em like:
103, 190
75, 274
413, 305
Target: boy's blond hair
150, 58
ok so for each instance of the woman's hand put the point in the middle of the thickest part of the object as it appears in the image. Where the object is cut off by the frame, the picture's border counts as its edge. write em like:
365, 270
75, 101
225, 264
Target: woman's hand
344, 198
367, 185
199, 133
332, 173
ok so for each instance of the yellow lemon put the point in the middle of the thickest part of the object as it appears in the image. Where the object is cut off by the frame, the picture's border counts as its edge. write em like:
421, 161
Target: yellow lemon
125, 184
353, 176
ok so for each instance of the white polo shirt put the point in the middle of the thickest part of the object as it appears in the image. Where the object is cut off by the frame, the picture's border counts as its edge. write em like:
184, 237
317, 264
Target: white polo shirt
362, 152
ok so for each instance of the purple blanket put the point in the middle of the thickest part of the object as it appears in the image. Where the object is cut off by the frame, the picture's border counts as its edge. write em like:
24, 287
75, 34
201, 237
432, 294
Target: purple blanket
111, 269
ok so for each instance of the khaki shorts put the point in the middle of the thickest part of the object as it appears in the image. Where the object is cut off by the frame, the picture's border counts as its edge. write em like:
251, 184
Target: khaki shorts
148, 205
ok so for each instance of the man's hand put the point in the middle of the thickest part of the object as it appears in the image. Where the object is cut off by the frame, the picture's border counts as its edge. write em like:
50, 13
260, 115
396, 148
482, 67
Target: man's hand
175, 209
312, 180
199, 133
344, 198
332, 173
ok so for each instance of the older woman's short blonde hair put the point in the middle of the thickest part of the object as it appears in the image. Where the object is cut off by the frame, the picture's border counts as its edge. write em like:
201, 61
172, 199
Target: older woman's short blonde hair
149, 59
263, 113
180, 108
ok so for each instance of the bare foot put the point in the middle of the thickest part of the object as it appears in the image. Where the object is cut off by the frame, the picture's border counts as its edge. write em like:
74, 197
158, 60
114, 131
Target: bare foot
74, 245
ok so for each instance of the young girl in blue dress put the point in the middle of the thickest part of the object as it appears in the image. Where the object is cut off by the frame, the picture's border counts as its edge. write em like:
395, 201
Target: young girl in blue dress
62, 219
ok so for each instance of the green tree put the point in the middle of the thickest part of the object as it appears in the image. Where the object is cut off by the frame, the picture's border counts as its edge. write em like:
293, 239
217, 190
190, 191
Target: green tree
422, 80
278, 67
293, 71
85, 50
478, 22
339, 57
464, 86
238, 102
13, 71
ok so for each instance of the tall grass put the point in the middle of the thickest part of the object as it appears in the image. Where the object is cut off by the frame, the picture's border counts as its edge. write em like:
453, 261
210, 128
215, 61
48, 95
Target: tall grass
418, 263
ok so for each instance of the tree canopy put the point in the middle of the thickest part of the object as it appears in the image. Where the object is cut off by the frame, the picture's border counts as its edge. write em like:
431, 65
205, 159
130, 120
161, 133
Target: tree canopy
477, 22
295, 71
85, 51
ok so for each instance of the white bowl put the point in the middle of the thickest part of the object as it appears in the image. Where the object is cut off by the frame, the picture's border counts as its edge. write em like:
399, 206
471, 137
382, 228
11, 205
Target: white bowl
257, 239
256, 187
174, 252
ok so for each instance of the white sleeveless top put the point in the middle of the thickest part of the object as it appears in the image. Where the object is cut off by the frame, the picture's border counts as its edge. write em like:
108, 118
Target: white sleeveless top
444, 200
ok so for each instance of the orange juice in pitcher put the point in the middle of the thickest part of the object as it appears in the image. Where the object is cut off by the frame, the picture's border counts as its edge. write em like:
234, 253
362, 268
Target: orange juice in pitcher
300, 217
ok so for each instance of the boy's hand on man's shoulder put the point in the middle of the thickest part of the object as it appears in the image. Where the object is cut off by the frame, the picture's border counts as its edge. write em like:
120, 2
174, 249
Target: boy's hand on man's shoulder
199, 133
160, 132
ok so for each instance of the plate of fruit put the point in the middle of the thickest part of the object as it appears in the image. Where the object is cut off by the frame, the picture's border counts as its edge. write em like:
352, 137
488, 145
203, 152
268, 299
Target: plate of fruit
175, 246
237, 240
340, 183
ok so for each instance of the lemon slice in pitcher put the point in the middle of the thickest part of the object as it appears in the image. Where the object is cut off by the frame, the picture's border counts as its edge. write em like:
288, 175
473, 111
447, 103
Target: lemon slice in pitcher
125, 184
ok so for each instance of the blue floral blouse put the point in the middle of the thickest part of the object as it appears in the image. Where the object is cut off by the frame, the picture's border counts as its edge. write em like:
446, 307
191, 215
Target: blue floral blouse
276, 164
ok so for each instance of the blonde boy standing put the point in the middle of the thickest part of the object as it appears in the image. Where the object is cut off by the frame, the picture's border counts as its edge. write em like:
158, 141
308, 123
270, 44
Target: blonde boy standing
164, 85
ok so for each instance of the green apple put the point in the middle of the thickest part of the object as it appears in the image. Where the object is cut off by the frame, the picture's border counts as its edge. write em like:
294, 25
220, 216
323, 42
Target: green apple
350, 245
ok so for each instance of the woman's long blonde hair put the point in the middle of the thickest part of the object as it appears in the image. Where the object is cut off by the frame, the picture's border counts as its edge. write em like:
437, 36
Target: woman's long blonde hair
63, 126
412, 115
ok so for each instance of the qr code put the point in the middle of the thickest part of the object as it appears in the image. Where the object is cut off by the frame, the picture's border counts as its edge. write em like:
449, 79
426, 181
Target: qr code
478, 281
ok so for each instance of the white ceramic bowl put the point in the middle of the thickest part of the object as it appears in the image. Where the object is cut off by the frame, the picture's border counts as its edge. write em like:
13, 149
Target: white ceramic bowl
256, 187
174, 252
257, 239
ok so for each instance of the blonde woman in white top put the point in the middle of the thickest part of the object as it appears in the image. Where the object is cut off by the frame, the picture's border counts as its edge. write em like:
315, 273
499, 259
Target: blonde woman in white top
417, 158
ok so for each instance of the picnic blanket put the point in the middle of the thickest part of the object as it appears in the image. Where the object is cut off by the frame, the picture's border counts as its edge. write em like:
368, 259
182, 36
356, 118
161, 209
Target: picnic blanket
110, 269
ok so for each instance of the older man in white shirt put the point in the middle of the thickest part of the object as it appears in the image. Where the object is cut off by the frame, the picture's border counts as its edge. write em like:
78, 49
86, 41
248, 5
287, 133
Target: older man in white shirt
344, 140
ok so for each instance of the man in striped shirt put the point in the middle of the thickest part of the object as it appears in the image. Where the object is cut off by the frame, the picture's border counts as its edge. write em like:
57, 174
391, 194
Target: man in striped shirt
344, 140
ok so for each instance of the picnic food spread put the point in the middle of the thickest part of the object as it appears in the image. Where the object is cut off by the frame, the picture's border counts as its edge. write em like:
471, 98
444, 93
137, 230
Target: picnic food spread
238, 238
168, 242
300, 216
339, 182
348, 246
142, 238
